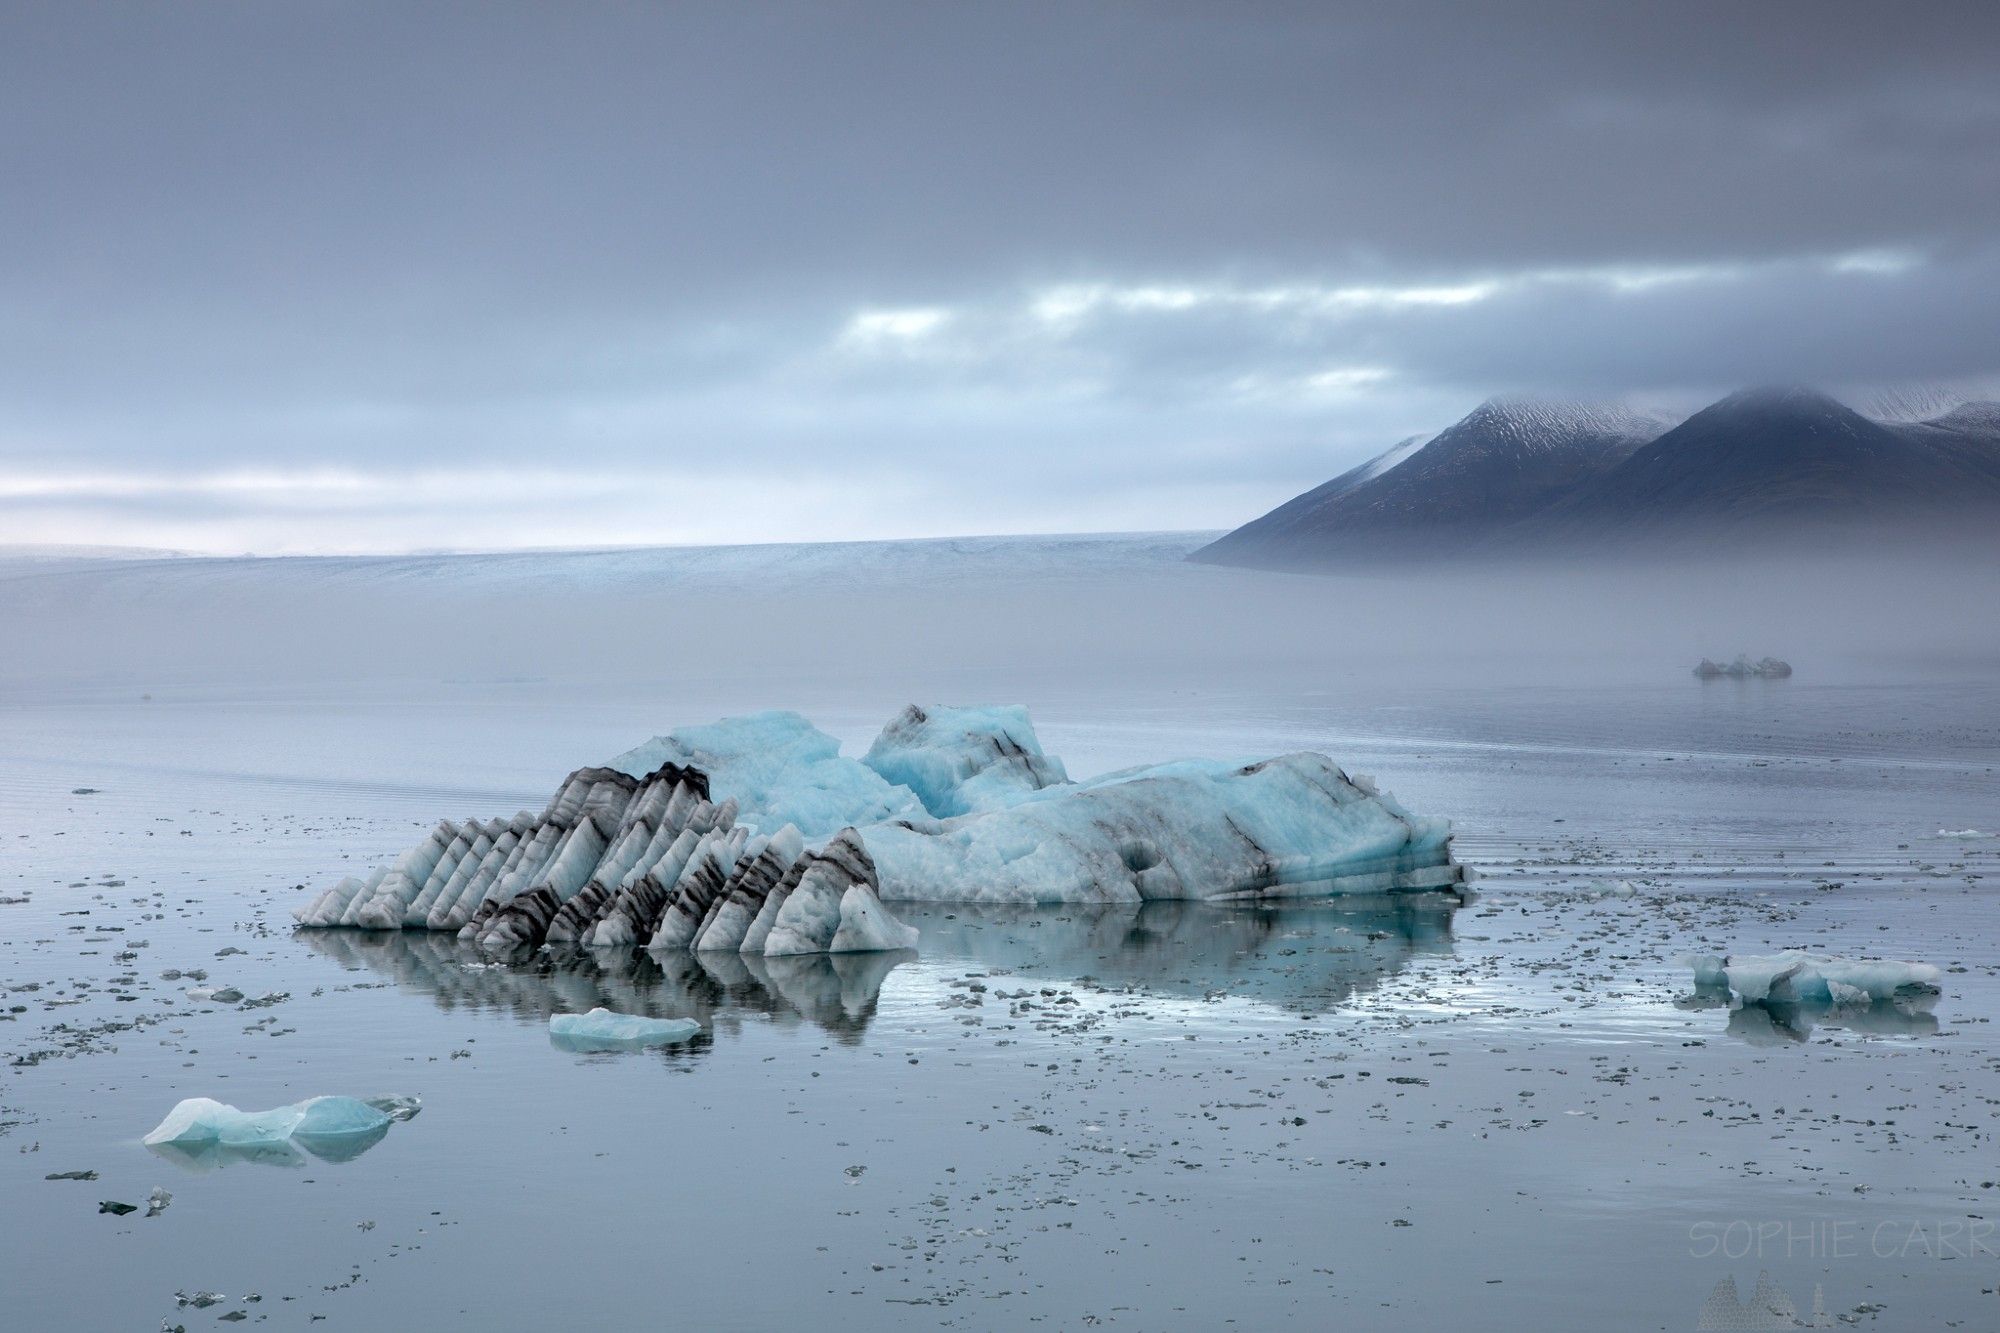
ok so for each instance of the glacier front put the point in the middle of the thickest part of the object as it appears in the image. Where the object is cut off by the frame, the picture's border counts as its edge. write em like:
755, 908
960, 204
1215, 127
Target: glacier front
756, 835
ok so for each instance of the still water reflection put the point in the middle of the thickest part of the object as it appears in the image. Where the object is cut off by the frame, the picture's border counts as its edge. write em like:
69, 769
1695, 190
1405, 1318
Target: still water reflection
1315, 956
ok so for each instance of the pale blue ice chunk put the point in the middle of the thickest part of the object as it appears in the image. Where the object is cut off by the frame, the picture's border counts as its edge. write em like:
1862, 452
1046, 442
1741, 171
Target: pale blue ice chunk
604, 1030
202, 1120
201, 1133
1798, 977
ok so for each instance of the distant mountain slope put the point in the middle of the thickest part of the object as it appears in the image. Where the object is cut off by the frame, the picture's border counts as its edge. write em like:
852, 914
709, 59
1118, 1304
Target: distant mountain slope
1777, 456
23, 553
1503, 462
1912, 401
1524, 478
1968, 436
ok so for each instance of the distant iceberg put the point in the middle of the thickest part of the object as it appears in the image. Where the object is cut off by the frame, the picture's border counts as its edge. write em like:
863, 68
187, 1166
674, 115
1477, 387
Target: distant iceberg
754, 835
1767, 668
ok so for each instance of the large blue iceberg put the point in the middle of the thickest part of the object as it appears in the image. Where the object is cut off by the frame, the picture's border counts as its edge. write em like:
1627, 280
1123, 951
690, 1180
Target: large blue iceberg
756, 835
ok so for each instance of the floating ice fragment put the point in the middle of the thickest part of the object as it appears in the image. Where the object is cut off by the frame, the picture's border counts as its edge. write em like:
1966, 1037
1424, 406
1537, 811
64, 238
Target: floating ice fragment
201, 1132
1964, 834
399, 1108
603, 1030
1799, 977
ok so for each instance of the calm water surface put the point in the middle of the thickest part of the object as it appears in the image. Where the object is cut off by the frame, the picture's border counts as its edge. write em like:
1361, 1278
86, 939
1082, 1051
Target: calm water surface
1379, 1114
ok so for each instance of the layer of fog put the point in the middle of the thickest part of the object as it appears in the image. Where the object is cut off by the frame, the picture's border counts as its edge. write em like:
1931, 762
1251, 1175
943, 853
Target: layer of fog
1019, 619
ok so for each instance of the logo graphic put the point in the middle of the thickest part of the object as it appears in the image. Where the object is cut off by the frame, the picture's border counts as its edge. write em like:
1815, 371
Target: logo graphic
1769, 1306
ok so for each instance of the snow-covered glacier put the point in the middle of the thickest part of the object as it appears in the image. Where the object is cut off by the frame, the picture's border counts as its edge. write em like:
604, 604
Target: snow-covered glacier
756, 835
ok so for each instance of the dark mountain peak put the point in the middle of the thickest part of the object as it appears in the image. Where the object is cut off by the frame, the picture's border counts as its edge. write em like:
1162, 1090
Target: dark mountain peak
1501, 462
1768, 424
1794, 400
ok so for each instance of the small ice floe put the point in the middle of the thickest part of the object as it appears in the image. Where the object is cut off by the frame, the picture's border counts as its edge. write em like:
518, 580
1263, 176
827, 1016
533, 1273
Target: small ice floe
1613, 888
202, 1133
215, 994
1797, 977
603, 1030
157, 1201
1964, 834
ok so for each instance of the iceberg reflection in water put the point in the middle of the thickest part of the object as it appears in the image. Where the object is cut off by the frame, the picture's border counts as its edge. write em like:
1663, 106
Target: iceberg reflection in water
1784, 1023
211, 1156
836, 992
1315, 955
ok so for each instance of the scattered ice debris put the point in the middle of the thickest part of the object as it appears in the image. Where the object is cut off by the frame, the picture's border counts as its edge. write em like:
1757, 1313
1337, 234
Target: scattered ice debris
157, 1201
203, 1133
1799, 977
1613, 888
83, 791
603, 1030
70, 1175
398, 1108
1964, 834
215, 994
200, 1300
115, 1208
1769, 668
754, 835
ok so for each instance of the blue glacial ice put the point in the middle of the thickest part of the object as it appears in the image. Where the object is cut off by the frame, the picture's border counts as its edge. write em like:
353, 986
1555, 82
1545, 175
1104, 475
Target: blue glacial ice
1287, 827
756, 835
201, 1133
780, 769
960, 760
604, 1030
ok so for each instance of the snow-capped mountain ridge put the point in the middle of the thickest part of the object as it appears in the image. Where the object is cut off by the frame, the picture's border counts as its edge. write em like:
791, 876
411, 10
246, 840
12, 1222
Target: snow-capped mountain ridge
1519, 474
1504, 460
1540, 425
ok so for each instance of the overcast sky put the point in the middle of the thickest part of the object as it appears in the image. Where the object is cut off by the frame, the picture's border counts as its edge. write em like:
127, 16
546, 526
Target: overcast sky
304, 277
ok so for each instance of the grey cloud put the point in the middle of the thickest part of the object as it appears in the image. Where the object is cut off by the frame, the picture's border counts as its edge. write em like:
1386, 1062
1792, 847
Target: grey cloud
627, 235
